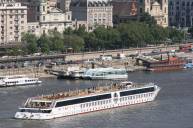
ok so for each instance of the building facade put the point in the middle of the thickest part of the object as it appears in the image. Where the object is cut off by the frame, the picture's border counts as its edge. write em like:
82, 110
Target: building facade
181, 13
44, 16
159, 10
92, 13
13, 21
124, 10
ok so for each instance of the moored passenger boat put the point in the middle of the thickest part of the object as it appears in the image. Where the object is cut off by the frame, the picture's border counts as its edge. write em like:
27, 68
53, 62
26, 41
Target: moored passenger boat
87, 100
17, 80
105, 73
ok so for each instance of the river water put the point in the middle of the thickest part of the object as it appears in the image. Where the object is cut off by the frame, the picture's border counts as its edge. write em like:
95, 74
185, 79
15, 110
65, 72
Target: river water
173, 107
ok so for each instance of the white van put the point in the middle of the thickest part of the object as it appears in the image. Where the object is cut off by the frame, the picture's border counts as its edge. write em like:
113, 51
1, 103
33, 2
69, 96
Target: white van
106, 57
121, 56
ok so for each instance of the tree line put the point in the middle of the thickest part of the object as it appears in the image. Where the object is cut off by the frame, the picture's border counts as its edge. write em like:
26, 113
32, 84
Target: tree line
125, 35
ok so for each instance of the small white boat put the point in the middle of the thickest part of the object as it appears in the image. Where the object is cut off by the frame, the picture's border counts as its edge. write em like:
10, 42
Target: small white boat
77, 74
106, 73
18, 80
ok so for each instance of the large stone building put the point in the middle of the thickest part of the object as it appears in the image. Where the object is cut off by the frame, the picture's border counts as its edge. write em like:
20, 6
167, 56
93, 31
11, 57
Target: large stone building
44, 15
92, 13
181, 13
13, 21
159, 10
124, 10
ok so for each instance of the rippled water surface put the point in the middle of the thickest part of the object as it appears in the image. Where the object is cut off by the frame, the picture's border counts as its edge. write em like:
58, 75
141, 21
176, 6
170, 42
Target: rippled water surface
173, 108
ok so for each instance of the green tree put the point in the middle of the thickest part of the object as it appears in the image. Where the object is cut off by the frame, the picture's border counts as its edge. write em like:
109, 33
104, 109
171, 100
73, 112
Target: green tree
81, 31
44, 43
56, 39
190, 30
30, 42
147, 18
68, 31
91, 42
176, 35
75, 42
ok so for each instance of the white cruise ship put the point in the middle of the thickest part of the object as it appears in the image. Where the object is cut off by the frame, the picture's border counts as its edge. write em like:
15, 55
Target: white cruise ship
17, 80
106, 73
86, 100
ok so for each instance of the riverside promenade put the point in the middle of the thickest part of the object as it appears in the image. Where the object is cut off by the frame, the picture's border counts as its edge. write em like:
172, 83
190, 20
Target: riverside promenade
92, 55
41, 71
86, 55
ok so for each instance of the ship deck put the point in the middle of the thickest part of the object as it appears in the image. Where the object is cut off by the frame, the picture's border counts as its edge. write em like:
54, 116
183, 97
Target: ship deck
86, 92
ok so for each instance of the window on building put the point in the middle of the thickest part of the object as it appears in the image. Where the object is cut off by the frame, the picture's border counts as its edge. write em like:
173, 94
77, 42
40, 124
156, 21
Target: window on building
183, 3
90, 28
43, 18
44, 8
147, 9
38, 8
141, 10
10, 16
68, 17
104, 21
22, 16
188, 4
95, 20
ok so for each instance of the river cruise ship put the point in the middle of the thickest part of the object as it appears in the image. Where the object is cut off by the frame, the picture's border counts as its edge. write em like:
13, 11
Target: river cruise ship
86, 100
17, 80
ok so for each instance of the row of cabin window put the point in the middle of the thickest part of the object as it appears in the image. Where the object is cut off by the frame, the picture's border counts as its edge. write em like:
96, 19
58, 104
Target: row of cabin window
138, 91
13, 82
83, 100
102, 102
29, 80
136, 96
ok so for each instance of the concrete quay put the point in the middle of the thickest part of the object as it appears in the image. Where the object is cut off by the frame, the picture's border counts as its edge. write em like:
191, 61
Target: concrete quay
28, 71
